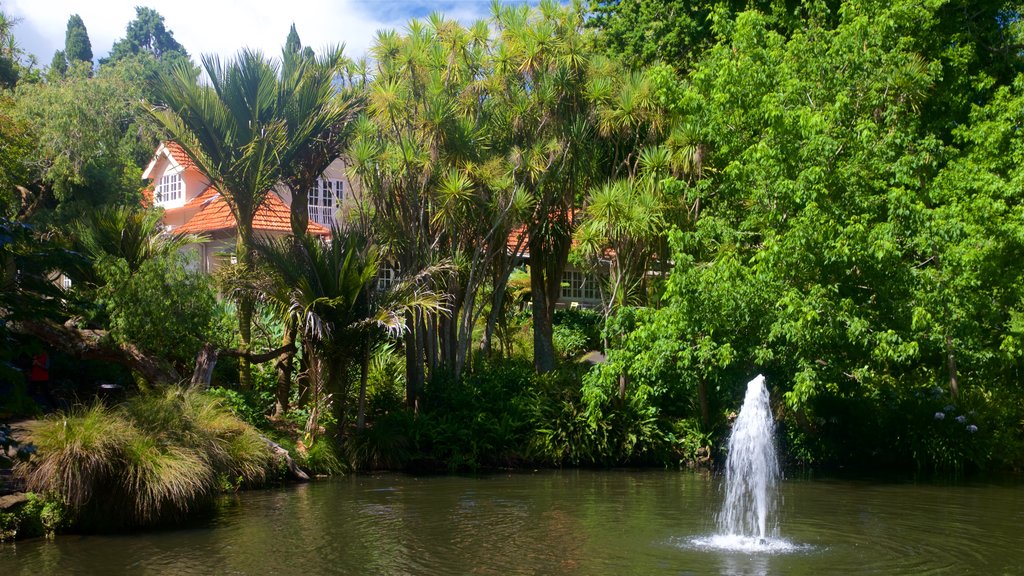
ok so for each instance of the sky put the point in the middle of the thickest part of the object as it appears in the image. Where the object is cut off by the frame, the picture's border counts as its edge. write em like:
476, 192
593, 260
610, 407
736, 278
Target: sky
224, 26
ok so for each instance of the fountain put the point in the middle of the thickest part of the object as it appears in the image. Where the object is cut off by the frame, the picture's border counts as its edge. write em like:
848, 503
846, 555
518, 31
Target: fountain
747, 522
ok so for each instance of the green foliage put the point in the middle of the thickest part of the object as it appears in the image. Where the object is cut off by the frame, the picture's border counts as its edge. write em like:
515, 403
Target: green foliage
850, 232
322, 458
88, 141
146, 34
162, 307
482, 421
76, 41
576, 331
251, 406
37, 516
155, 458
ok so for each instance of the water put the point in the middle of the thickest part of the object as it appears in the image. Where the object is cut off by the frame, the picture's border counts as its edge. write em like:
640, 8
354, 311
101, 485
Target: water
748, 522
752, 470
566, 523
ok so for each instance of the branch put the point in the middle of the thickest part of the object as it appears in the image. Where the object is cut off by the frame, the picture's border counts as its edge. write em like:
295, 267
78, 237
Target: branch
96, 345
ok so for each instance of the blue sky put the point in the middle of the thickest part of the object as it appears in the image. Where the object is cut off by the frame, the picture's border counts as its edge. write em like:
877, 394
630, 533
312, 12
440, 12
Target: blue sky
224, 26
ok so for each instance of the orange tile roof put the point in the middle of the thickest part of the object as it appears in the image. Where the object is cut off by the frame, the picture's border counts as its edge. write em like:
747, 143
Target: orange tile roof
179, 155
147, 196
272, 216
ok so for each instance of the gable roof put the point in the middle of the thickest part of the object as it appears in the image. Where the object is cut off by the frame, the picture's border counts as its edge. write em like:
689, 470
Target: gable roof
175, 155
215, 215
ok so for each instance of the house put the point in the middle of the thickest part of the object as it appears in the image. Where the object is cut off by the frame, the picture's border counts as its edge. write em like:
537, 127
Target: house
193, 206
579, 288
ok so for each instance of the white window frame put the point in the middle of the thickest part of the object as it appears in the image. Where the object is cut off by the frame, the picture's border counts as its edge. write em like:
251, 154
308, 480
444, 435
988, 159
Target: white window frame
170, 188
325, 198
577, 285
387, 275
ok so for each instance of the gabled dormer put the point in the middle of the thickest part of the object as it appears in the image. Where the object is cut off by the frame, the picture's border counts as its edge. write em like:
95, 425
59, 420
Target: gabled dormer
176, 180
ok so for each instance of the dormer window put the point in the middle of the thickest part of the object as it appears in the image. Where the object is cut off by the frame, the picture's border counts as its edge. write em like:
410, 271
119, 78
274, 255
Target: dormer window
324, 200
171, 188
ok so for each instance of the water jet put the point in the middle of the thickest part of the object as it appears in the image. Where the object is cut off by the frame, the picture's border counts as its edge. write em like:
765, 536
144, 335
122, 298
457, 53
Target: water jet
748, 520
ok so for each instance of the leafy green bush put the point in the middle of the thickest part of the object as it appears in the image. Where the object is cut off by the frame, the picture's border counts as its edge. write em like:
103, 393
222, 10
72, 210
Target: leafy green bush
154, 458
162, 306
575, 331
483, 421
37, 516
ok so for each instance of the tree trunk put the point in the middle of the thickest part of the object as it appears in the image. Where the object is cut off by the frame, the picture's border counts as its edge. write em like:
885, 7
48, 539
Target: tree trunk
705, 409
206, 360
954, 381
413, 362
543, 323
284, 369
364, 376
96, 345
246, 306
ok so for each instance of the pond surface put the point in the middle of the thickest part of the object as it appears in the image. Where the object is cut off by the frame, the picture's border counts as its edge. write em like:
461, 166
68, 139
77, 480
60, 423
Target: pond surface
560, 523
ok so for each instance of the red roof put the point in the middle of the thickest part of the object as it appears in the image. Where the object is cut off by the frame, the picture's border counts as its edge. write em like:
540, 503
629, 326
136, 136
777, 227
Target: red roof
147, 196
179, 155
272, 216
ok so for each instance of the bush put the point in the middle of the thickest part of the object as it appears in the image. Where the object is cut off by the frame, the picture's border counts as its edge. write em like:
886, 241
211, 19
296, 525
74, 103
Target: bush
37, 516
483, 421
154, 458
575, 331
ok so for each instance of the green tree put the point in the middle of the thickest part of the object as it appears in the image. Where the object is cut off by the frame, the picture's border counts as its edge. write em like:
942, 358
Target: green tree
9, 52
540, 84
436, 188
146, 34
88, 138
316, 106
292, 44
831, 249
235, 130
58, 67
139, 277
77, 46
328, 291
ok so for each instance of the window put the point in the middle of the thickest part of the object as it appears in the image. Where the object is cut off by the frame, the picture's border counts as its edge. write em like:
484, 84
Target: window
324, 200
386, 277
170, 189
578, 285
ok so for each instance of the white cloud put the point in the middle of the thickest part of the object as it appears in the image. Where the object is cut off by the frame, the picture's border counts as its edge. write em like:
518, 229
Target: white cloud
225, 26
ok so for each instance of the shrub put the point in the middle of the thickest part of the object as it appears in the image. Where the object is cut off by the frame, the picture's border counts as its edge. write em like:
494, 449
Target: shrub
154, 458
575, 331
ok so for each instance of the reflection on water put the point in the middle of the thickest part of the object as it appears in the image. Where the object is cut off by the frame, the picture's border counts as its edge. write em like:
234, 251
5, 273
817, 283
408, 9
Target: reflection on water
564, 523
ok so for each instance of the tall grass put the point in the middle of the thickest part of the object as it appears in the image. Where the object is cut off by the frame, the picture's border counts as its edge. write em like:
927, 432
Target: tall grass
154, 458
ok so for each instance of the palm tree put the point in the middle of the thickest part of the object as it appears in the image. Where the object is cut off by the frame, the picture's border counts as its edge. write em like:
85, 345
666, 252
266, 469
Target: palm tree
316, 106
234, 128
126, 232
328, 292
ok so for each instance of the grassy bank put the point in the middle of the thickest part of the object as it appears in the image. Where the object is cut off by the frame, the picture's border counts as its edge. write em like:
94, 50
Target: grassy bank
154, 459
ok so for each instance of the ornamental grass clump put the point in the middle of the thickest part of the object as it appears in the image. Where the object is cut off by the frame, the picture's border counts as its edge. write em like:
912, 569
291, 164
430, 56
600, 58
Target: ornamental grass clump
152, 459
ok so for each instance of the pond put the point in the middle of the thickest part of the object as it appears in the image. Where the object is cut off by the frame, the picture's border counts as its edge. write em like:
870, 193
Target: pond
563, 523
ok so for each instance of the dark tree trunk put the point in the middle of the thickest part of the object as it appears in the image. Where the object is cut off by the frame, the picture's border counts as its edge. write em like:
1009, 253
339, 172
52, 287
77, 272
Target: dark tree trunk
285, 369
95, 345
364, 376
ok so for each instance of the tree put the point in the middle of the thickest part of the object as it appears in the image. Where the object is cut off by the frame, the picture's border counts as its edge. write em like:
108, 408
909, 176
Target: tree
58, 66
77, 46
9, 52
292, 44
316, 106
436, 189
89, 137
328, 291
234, 129
540, 85
146, 34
